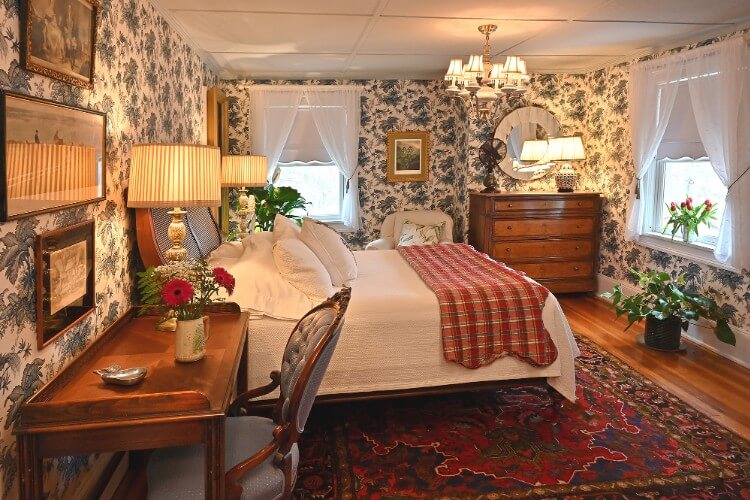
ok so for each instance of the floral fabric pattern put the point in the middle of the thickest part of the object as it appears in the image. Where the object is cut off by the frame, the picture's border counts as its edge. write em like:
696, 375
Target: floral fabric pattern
151, 85
419, 234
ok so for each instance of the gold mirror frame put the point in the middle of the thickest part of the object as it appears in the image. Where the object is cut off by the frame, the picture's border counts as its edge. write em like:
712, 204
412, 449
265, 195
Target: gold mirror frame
217, 134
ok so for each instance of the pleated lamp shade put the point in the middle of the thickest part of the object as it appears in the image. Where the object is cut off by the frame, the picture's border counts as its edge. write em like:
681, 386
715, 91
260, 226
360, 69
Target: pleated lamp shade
174, 175
534, 150
566, 149
52, 172
244, 170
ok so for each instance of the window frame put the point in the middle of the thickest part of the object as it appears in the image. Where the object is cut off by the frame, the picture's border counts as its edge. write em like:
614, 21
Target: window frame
651, 233
335, 219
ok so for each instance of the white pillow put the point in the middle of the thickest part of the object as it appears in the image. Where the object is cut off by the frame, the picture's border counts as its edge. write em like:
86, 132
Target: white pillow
227, 250
302, 269
260, 288
419, 234
284, 227
328, 246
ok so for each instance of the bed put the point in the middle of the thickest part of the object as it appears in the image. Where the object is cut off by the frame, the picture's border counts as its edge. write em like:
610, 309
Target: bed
391, 341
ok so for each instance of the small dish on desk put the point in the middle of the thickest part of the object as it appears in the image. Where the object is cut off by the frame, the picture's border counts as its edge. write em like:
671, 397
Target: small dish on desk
117, 375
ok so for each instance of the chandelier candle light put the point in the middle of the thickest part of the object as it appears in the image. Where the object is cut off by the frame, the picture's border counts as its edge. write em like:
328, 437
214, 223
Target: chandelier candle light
480, 83
244, 171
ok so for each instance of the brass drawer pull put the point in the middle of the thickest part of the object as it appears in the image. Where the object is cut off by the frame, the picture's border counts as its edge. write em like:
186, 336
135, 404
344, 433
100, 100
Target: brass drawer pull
579, 203
578, 247
509, 228
507, 250
510, 205
579, 226
576, 268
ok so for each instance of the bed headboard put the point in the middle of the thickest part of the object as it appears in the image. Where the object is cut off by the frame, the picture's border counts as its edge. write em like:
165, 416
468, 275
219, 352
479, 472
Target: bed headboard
151, 224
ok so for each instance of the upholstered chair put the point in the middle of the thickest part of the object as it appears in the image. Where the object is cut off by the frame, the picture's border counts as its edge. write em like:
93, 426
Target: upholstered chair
261, 453
390, 230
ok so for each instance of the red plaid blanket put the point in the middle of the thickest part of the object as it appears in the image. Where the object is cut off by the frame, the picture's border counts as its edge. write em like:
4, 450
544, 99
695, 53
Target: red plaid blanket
487, 310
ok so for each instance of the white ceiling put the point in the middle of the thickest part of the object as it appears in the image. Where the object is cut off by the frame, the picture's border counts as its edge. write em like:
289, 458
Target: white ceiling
415, 39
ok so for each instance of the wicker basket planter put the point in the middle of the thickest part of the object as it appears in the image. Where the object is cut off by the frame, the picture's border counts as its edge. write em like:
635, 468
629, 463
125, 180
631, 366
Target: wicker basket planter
663, 334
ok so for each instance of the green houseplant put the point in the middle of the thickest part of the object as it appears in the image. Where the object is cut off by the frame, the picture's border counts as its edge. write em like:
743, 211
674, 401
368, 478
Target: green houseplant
667, 306
272, 200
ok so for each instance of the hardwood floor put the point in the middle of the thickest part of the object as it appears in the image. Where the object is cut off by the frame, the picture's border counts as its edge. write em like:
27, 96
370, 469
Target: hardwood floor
712, 384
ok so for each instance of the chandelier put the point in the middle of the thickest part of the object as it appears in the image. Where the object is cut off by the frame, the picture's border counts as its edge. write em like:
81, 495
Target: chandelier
480, 83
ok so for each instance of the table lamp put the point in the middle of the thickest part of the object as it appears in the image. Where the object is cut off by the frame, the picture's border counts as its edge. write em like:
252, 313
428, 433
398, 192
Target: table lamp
242, 171
566, 149
174, 175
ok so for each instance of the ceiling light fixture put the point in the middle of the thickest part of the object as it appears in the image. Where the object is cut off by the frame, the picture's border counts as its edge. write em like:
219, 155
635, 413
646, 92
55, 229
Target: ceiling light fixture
480, 83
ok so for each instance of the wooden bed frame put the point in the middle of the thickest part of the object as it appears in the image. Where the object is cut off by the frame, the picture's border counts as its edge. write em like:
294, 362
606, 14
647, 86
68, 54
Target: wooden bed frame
204, 236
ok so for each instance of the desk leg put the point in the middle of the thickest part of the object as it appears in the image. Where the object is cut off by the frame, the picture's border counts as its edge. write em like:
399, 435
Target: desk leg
214, 446
30, 476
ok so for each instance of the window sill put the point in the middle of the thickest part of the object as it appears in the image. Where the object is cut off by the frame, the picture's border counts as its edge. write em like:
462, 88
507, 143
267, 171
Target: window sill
699, 252
337, 225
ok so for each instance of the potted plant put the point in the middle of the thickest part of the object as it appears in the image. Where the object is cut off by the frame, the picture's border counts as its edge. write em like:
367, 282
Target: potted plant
686, 217
181, 291
667, 306
271, 200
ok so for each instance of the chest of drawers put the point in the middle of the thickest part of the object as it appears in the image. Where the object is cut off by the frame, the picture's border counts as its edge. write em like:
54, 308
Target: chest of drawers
552, 237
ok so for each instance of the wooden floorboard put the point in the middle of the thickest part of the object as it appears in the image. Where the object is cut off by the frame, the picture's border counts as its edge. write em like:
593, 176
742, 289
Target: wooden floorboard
712, 384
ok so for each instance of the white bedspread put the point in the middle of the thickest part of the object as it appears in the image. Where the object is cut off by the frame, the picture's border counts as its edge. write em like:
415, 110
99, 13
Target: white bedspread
392, 338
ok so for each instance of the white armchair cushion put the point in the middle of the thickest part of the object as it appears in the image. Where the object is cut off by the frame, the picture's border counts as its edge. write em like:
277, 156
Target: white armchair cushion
420, 234
302, 269
328, 246
381, 244
390, 230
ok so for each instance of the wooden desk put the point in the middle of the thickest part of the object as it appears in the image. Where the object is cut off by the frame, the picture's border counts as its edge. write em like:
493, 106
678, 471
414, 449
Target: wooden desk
177, 404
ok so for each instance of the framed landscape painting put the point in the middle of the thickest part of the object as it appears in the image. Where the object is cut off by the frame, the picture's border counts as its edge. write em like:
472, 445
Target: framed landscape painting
408, 156
59, 39
52, 156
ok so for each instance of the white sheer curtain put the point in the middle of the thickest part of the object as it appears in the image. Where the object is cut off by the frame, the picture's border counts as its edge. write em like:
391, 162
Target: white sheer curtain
273, 117
717, 77
337, 115
652, 90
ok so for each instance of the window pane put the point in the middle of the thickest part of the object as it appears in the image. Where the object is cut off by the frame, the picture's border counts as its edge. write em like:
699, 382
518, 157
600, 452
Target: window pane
320, 185
698, 180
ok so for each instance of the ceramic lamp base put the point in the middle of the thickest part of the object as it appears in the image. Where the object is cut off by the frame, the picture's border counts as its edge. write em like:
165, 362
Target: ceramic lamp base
566, 179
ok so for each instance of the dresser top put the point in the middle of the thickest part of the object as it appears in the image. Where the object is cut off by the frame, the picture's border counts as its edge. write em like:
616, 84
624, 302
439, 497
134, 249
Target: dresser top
534, 193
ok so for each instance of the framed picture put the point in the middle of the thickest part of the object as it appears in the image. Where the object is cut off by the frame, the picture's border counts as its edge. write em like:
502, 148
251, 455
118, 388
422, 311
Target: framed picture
52, 156
59, 38
408, 156
64, 279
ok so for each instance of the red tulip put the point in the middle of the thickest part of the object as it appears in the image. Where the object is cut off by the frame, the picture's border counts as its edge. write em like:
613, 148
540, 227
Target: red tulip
682, 205
689, 204
689, 199
673, 207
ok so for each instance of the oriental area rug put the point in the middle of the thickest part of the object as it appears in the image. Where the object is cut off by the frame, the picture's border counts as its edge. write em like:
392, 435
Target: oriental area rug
624, 438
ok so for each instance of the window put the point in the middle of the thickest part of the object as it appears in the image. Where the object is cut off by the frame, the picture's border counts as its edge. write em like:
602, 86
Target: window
320, 183
306, 166
673, 181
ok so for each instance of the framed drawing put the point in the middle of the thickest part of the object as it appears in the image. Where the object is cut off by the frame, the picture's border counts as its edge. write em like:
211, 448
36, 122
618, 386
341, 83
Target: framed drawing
52, 156
408, 156
58, 39
64, 261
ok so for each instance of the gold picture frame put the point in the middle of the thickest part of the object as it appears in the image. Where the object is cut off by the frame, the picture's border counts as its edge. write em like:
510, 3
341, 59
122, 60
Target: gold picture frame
217, 109
408, 156
58, 39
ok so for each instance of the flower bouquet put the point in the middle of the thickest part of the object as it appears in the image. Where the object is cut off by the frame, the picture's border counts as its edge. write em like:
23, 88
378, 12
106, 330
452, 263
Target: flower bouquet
687, 217
181, 291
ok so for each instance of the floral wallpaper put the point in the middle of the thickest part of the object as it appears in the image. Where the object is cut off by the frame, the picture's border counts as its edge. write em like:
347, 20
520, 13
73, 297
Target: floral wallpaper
610, 163
386, 105
150, 84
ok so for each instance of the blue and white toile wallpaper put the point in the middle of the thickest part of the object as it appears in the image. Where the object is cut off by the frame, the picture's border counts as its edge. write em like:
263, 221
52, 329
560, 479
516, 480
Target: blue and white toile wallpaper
386, 105
150, 84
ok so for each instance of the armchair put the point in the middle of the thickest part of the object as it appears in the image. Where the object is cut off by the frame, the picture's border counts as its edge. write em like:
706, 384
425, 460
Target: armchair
390, 230
261, 453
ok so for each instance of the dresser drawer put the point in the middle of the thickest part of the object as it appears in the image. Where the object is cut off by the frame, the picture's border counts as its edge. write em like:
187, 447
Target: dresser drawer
543, 248
543, 227
512, 204
556, 269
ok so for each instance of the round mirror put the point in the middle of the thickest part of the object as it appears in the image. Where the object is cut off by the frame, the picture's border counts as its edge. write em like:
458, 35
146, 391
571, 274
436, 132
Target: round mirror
526, 132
